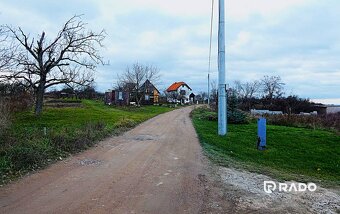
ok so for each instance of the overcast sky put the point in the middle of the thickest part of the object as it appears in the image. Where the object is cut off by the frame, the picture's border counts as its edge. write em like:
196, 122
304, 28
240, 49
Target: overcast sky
298, 40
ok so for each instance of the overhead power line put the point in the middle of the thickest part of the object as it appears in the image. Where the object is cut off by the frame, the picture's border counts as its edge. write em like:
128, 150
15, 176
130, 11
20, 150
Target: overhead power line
211, 32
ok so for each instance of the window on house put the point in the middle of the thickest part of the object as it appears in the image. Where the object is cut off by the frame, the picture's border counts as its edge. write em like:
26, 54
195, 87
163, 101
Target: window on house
147, 97
182, 92
120, 95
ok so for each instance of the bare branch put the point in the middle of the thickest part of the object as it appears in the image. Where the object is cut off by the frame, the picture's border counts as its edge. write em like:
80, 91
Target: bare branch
135, 76
272, 86
71, 57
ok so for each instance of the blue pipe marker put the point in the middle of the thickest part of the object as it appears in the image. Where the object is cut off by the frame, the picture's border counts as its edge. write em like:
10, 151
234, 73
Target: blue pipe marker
261, 134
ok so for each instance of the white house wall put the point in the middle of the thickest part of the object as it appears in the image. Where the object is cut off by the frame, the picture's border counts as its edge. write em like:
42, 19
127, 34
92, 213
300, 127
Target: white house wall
187, 94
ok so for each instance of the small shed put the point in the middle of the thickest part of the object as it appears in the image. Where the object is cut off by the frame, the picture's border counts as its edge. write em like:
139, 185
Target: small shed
122, 98
109, 98
118, 97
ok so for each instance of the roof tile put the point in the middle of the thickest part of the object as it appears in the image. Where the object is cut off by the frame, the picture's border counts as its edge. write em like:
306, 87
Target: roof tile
176, 85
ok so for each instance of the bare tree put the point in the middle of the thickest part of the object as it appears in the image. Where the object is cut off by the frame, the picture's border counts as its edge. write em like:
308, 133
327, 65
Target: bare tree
246, 90
172, 96
74, 88
238, 88
135, 76
6, 51
71, 57
250, 89
202, 96
3, 51
272, 86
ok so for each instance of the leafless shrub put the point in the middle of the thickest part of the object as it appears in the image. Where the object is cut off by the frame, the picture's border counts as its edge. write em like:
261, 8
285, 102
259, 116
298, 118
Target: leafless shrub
16, 97
134, 77
331, 120
5, 116
328, 121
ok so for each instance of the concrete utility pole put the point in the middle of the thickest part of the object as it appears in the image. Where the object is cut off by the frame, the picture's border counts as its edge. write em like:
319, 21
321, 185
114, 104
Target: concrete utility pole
222, 101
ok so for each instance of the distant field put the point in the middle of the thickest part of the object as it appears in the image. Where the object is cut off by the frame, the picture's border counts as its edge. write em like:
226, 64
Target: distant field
293, 153
33, 142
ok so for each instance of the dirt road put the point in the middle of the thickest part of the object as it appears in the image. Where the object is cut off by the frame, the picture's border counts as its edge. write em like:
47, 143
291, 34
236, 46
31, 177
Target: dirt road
154, 168
158, 167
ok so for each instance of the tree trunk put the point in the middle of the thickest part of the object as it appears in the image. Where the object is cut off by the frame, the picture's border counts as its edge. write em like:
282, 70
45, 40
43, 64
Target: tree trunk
39, 99
138, 99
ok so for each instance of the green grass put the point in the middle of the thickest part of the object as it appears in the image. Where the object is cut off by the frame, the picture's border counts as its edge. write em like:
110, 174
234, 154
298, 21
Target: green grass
92, 111
292, 153
25, 147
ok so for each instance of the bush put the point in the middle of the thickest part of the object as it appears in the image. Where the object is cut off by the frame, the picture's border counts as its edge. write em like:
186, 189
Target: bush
5, 117
204, 113
331, 121
29, 156
73, 141
234, 117
125, 123
70, 144
65, 142
16, 96
237, 117
328, 121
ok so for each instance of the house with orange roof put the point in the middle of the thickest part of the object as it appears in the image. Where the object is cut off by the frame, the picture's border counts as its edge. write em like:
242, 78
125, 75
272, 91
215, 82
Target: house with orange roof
179, 92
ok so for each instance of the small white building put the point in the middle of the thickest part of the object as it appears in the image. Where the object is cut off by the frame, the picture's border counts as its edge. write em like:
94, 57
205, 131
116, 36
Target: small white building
179, 92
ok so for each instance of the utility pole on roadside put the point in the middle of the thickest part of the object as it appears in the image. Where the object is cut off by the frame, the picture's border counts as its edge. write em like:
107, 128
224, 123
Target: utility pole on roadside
222, 98
211, 32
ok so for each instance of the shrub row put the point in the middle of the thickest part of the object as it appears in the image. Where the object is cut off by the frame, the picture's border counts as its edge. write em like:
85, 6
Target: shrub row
5, 117
234, 117
328, 121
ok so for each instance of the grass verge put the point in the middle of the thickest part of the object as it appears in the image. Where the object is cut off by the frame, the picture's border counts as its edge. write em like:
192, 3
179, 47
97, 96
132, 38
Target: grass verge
299, 154
32, 142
